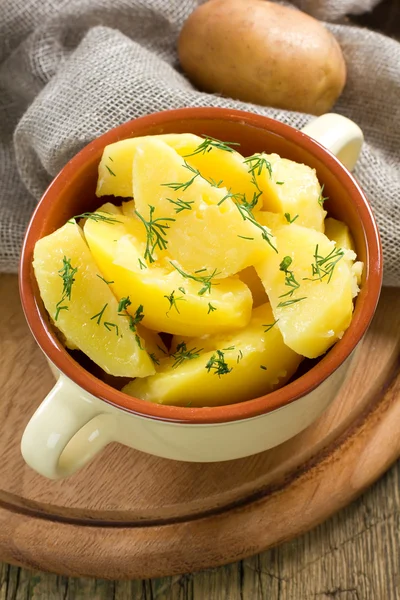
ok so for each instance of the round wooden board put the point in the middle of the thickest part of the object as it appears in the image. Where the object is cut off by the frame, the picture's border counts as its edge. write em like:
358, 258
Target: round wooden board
131, 515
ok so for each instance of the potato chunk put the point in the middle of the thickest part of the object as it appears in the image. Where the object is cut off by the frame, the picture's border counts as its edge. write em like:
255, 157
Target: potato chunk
294, 189
226, 167
338, 232
88, 316
171, 302
209, 230
222, 369
309, 284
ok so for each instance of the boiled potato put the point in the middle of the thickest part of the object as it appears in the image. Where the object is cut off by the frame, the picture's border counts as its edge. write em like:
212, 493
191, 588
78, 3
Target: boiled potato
312, 309
251, 279
222, 369
338, 232
206, 229
262, 52
86, 312
171, 302
292, 189
217, 162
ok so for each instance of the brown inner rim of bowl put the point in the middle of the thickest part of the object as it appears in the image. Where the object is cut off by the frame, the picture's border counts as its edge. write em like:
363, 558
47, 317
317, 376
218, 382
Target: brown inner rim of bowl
72, 192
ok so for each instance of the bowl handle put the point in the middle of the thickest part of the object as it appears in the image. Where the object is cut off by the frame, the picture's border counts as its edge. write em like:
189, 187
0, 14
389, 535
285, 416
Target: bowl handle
66, 431
338, 134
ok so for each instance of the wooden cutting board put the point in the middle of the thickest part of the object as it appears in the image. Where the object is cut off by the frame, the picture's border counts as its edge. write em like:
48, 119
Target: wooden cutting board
131, 515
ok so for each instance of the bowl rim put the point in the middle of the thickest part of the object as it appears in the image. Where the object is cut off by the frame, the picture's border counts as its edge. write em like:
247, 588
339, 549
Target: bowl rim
298, 388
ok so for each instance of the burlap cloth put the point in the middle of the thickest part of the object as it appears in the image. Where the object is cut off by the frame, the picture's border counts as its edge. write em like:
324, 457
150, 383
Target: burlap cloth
71, 69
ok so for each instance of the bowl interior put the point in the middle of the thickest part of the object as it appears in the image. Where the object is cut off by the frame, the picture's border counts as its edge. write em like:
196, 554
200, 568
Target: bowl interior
73, 192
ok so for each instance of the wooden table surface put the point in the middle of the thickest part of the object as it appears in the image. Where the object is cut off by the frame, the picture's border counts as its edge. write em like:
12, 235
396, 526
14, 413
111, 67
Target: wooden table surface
355, 555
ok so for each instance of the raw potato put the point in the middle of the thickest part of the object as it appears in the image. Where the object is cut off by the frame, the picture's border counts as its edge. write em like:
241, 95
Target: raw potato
319, 311
262, 52
259, 360
116, 351
117, 249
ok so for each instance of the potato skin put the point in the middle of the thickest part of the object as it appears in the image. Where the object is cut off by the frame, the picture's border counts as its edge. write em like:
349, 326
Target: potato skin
261, 52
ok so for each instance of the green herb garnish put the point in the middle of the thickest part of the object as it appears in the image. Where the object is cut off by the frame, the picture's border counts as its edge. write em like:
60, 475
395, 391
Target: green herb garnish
155, 233
184, 186
239, 356
263, 367
181, 204
279, 182
210, 143
323, 266
321, 198
67, 274
99, 315
124, 303
154, 358
257, 163
173, 302
289, 219
245, 211
290, 279
290, 302
245, 238
211, 308
105, 281
270, 326
206, 280
182, 353
141, 264
218, 365
96, 216
111, 172
109, 326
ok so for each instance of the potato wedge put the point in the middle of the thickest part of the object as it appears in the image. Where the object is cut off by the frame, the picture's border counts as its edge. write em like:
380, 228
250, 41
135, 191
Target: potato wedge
222, 369
310, 287
208, 229
87, 315
171, 302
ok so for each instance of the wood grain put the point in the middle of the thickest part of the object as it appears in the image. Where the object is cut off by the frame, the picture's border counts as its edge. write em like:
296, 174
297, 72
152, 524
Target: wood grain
129, 515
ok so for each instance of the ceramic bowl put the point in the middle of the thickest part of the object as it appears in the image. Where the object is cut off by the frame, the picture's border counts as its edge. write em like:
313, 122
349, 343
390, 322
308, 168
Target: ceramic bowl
82, 413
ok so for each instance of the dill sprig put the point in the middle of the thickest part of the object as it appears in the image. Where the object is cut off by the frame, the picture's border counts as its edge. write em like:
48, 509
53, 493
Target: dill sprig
323, 266
257, 163
173, 302
133, 320
184, 185
238, 197
141, 264
182, 353
110, 171
181, 204
269, 326
154, 358
289, 219
218, 364
155, 233
246, 213
210, 143
211, 308
206, 280
109, 326
239, 356
96, 216
290, 302
124, 303
105, 280
99, 315
67, 274
321, 198
290, 279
